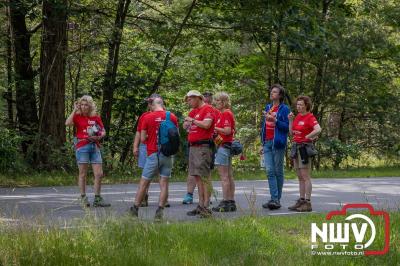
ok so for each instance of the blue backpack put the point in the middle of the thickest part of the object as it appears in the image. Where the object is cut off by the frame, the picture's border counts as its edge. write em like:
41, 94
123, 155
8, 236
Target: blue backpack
168, 136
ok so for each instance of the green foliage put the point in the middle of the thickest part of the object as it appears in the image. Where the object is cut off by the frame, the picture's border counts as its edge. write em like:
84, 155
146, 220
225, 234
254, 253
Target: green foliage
346, 60
10, 159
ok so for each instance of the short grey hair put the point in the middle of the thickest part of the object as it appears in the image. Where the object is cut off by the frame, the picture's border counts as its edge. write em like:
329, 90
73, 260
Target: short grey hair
158, 101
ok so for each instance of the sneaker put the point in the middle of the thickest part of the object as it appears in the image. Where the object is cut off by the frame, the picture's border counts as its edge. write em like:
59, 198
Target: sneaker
145, 201
85, 201
296, 205
194, 212
275, 204
304, 207
267, 205
134, 211
167, 205
159, 214
205, 213
100, 202
188, 199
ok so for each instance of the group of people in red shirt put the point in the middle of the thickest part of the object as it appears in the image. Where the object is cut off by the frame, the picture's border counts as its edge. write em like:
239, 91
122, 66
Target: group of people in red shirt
210, 133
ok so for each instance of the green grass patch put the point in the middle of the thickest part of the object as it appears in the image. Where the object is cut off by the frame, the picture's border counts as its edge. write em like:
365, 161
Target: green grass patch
115, 177
274, 240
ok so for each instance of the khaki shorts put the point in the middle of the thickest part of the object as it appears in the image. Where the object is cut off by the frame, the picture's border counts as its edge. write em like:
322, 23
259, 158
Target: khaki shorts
298, 164
200, 158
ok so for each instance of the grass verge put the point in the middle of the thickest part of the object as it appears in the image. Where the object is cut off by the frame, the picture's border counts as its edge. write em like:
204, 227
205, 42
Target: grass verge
67, 179
273, 240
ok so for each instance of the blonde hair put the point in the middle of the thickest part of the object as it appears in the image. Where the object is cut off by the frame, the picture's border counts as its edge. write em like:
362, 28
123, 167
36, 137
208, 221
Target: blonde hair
224, 98
91, 103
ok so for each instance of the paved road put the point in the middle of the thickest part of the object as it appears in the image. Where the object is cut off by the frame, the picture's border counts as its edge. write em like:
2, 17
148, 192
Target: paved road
59, 205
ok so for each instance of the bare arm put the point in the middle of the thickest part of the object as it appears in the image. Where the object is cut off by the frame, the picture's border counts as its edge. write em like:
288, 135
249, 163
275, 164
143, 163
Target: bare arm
143, 135
224, 130
206, 123
136, 142
316, 130
291, 117
70, 119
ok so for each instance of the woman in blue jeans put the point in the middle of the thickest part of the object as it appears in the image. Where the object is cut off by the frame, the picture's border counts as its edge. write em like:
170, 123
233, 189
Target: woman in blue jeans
274, 133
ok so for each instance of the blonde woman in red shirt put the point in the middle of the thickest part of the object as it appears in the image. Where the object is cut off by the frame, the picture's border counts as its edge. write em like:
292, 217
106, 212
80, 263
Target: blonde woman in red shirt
225, 130
89, 132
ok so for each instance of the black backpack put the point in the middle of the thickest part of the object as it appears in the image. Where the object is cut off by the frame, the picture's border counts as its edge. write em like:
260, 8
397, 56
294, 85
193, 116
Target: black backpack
168, 136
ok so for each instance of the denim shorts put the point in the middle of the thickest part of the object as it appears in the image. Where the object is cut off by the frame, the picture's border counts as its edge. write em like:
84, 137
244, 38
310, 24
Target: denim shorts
157, 164
89, 153
223, 157
142, 155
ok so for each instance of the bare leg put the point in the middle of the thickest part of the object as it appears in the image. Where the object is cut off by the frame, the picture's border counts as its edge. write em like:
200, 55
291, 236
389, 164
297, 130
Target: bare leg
141, 191
98, 174
302, 187
223, 172
83, 168
164, 191
231, 184
307, 182
191, 184
201, 189
207, 186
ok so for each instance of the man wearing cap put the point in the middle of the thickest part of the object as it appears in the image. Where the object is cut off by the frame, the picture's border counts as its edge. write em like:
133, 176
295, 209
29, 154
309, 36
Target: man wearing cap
157, 164
200, 124
191, 182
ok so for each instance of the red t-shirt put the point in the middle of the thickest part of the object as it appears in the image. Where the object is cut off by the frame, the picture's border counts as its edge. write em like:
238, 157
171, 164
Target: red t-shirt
140, 123
226, 119
196, 133
302, 126
151, 124
217, 113
83, 125
270, 125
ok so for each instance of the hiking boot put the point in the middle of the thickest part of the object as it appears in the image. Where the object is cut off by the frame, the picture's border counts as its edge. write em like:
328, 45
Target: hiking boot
134, 211
85, 201
194, 212
159, 214
221, 206
304, 207
145, 201
100, 202
225, 206
188, 199
296, 205
205, 213
232, 206
267, 205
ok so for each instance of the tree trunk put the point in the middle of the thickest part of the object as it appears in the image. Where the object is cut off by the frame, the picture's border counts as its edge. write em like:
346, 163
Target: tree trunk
8, 95
278, 49
24, 77
112, 64
52, 76
319, 77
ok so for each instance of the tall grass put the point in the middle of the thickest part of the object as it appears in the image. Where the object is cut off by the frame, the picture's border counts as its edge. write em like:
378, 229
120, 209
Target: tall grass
245, 241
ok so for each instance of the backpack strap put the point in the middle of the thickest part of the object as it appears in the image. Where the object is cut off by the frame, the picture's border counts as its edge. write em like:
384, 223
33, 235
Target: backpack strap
167, 116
